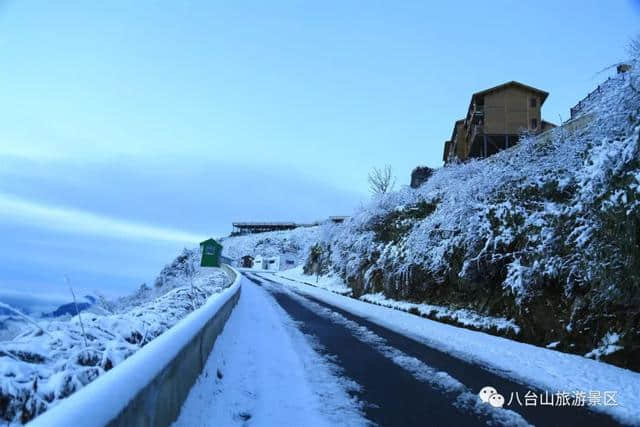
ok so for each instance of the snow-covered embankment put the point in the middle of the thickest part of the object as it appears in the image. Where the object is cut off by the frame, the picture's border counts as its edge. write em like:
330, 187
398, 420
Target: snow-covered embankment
150, 386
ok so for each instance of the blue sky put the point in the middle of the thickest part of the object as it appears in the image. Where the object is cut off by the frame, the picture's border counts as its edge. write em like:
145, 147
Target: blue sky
131, 129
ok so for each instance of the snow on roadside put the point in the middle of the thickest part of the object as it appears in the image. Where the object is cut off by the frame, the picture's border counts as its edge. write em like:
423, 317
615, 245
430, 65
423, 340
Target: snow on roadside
40, 367
462, 316
608, 345
332, 282
264, 371
465, 399
538, 367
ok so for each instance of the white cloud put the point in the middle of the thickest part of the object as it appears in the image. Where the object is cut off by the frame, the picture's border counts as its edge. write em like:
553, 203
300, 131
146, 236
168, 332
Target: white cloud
17, 210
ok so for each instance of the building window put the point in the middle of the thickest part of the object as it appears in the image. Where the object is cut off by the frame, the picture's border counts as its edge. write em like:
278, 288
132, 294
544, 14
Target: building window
534, 123
533, 102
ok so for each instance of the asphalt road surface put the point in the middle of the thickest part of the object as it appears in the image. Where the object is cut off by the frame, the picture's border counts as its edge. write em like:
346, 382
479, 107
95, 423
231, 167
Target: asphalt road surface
404, 382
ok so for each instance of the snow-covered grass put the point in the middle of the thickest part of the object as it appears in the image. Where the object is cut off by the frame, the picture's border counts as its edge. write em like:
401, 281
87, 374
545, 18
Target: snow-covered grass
332, 282
483, 206
608, 345
11, 326
263, 371
545, 233
49, 363
100, 402
463, 317
538, 367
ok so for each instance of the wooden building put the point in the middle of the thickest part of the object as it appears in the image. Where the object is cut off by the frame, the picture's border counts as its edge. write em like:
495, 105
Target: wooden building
241, 228
495, 119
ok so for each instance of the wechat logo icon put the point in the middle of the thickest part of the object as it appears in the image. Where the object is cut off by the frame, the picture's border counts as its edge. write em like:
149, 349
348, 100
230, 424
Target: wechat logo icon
491, 396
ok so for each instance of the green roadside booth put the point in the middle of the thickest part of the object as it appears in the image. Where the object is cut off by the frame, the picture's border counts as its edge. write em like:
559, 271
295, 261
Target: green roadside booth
211, 251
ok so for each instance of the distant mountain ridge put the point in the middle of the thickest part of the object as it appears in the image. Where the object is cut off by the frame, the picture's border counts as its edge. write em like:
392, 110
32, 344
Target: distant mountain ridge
72, 308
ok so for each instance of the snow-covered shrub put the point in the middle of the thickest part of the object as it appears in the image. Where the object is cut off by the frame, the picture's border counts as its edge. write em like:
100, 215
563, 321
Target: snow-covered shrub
318, 261
41, 366
181, 271
546, 232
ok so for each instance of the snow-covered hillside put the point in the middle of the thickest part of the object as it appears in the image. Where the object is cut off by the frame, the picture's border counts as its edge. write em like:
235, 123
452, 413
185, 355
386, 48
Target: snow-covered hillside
546, 233
52, 361
295, 242
11, 326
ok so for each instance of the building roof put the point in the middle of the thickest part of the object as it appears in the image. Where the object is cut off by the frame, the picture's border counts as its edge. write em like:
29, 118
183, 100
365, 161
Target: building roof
455, 129
260, 224
512, 83
210, 241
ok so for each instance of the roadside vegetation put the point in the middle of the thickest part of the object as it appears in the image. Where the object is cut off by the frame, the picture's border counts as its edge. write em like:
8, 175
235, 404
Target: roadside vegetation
546, 233
53, 359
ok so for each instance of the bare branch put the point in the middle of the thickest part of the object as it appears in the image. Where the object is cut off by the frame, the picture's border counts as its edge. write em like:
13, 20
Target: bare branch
633, 48
381, 181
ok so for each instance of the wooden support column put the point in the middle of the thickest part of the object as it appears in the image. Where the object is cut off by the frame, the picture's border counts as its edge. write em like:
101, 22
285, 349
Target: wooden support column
484, 145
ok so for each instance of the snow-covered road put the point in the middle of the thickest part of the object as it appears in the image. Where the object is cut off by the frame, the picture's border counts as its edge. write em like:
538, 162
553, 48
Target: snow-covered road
263, 371
286, 358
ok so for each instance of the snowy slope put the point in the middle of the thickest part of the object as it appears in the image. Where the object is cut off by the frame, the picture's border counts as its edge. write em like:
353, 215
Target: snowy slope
329, 281
544, 234
46, 364
11, 326
296, 242
105, 399
334, 283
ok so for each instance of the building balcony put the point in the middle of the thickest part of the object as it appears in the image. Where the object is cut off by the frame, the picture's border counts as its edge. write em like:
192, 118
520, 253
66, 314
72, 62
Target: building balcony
478, 111
473, 131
